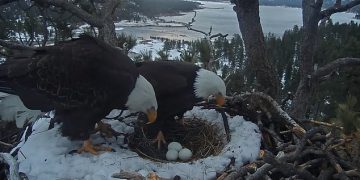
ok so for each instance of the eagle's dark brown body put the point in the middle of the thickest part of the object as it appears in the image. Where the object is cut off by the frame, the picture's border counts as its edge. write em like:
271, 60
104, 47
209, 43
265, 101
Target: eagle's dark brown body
82, 79
173, 82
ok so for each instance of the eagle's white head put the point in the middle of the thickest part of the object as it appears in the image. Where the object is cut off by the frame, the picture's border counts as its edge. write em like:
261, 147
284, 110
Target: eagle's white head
207, 84
142, 99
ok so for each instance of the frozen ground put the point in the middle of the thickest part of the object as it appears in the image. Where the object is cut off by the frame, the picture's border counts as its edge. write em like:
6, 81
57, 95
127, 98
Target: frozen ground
45, 153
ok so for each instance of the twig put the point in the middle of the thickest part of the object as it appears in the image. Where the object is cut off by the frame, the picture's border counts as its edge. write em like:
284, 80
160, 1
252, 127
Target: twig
273, 134
268, 105
334, 163
226, 123
260, 172
332, 125
6, 144
311, 163
241, 171
128, 175
286, 168
305, 139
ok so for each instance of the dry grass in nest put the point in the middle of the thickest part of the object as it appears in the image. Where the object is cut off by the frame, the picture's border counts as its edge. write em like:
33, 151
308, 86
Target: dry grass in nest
200, 136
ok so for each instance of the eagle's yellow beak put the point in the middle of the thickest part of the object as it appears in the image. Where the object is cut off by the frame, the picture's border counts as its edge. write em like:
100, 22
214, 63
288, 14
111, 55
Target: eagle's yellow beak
151, 116
220, 100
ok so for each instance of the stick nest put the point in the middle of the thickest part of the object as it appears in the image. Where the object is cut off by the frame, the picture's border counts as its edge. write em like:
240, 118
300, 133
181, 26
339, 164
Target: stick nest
200, 136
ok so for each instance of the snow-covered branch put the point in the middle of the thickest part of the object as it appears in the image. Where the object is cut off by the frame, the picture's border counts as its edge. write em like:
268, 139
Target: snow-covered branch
332, 66
85, 16
266, 104
338, 8
13, 174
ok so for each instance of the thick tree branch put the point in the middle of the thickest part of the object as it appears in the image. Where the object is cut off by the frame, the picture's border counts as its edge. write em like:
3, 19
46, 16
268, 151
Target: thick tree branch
338, 8
4, 2
287, 168
85, 16
268, 106
11, 45
109, 8
330, 67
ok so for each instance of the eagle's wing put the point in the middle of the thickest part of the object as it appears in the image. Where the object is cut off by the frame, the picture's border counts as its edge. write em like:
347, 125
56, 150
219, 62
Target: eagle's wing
67, 74
166, 80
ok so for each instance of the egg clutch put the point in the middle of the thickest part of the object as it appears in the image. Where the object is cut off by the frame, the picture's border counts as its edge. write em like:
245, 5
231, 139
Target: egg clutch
175, 151
189, 139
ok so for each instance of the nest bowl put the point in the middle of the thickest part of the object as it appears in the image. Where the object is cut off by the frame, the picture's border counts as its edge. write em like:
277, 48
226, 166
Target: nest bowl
200, 136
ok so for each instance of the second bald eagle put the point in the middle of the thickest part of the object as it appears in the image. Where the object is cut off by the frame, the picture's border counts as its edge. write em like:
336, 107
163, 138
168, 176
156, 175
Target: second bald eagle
178, 87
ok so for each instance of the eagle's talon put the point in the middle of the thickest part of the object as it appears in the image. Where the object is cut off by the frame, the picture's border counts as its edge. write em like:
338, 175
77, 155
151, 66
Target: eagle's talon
106, 130
93, 149
160, 139
88, 147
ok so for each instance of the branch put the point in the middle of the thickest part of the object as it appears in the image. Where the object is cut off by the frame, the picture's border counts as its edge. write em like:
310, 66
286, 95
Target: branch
269, 106
11, 45
219, 35
85, 16
6, 144
188, 26
338, 8
13, 174
287, 168
109, 8
4, 2
330, 67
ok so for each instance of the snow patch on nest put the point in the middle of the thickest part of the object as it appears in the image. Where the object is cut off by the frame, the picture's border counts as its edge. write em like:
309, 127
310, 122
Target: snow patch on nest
45, 153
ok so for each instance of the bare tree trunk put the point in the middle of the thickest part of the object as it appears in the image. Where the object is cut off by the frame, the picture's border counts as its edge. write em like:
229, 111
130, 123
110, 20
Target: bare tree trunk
107, 32
311, 14
249, 22
309, 81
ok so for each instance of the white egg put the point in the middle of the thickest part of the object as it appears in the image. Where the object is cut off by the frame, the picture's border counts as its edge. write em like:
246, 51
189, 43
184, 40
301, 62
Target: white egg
172, 155
185, 154
175, 146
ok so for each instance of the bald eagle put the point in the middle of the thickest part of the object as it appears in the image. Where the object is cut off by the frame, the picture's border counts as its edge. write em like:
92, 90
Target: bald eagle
178, 87
83, 80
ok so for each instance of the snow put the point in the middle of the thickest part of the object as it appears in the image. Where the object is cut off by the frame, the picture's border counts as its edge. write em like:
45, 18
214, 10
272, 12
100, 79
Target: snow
148, 45
13, 109
154, 46
45, 153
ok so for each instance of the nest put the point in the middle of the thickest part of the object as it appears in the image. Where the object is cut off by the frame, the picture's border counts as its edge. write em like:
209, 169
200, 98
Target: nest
200, 136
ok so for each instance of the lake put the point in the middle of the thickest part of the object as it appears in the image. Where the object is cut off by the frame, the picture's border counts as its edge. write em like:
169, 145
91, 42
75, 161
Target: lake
274, 19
